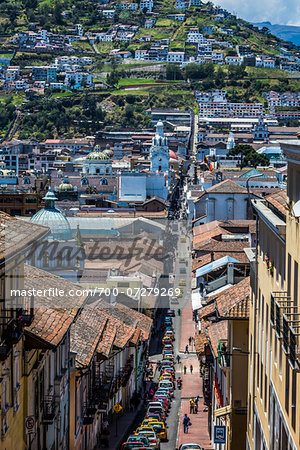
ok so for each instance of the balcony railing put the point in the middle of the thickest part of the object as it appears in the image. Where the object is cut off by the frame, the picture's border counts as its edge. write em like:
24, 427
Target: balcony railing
285, 318
48, 412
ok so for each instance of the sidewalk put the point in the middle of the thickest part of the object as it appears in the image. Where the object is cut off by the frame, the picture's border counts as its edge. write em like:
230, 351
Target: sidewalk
191, 387
187, 328
124, 424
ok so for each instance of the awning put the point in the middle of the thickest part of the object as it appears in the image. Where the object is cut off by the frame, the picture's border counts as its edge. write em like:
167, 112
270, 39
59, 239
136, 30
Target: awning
215, 265
222, 411
196, 300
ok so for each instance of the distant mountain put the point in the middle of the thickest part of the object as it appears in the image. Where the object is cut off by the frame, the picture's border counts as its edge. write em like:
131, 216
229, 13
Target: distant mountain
286, 32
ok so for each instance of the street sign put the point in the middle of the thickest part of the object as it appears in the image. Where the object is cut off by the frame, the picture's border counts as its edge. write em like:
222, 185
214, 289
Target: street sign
30, 424
117, 408
219, 434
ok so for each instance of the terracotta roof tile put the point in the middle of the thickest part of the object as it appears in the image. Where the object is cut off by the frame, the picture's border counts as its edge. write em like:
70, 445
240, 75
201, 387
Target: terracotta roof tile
234, 302
200, 342
106, 343
227, 187
215, 332
16, 234
201, 261
53, 316
86, 333
278, 200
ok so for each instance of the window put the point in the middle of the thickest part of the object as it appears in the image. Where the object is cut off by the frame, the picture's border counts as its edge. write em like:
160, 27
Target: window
287, 385
293, 406
289, 269
295, 283
46, 260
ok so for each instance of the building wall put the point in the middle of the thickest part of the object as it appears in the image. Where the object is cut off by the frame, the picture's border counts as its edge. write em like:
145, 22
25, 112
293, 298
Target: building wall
274, 386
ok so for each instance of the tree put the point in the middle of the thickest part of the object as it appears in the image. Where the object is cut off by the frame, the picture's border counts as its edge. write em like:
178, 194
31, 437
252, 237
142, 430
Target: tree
249, 157
173, 72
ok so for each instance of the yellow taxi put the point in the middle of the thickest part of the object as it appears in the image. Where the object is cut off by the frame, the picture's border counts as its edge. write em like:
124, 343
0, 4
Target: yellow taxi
182, 239
148, 422
166, 378
182, 283
160, 430
179, 294
139, 429
182, 260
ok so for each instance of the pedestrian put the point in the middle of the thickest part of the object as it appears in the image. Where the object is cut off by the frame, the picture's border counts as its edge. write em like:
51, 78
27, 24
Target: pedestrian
186, 349
196, 400
178, 359
190, 340
192, 406
186, 423
184, 370
191, 368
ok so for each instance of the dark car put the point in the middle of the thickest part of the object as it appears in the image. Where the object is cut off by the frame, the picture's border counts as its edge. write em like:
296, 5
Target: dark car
133, 445
171, 313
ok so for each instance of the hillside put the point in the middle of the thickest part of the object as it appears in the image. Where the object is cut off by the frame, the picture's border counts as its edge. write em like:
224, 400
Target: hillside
286, 32
123, 90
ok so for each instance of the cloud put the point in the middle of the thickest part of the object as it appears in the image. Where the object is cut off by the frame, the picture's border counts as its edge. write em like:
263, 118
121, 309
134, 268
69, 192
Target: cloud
283, 12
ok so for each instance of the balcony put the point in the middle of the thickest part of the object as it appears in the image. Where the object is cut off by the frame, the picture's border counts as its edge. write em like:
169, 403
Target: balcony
285, 319
48, 409
223, 356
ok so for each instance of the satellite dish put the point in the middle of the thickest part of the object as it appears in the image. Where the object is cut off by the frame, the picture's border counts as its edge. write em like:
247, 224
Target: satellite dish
296, 209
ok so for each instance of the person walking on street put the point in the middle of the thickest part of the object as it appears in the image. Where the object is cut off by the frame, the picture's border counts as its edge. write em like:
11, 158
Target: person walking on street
186, 349
178, 359
186, 423
184, 370
191, 368
196, 400
192, 406
190, 340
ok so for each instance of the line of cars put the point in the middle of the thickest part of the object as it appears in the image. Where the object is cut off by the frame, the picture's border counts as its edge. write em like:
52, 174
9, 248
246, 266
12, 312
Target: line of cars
153, 428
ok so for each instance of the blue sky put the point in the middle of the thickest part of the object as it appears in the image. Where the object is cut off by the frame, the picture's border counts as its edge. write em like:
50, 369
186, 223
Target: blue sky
283, 12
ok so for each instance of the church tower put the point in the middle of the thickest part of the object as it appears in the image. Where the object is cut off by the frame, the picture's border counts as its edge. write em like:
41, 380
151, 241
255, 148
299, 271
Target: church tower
159, 152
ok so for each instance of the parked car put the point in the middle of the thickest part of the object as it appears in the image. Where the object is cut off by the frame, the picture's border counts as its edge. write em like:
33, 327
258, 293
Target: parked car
190, 446
143, 439
171, 313
154, 440
134, 445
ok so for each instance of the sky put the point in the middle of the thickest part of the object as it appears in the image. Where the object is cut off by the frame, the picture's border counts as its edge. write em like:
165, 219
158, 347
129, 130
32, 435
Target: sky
282, 12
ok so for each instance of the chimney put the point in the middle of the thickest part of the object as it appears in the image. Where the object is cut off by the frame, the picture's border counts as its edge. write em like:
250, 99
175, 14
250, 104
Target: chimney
230, 274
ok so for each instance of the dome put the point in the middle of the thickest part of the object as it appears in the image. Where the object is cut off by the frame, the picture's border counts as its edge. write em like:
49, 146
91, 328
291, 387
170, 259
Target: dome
97, 156
53, 218
108, 152
66, 186
173, 155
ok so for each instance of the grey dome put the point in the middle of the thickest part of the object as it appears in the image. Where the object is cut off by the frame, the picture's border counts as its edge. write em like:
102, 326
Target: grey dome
53, 218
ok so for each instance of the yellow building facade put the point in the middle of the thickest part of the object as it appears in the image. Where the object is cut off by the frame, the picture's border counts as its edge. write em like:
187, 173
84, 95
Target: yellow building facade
273, 420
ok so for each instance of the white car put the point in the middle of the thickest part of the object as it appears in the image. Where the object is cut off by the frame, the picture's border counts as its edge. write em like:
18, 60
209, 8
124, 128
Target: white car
190, 447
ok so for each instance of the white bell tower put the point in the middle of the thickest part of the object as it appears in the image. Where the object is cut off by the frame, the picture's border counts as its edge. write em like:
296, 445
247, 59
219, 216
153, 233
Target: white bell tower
159, 152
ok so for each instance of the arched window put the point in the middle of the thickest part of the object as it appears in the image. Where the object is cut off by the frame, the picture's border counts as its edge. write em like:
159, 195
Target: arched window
59, 260
46, 259
84, 181
104, 181
97, 170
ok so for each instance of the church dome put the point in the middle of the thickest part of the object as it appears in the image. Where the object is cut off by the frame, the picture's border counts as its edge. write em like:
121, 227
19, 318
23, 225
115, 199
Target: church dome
66, 186
97, 156
173, 155
53, 218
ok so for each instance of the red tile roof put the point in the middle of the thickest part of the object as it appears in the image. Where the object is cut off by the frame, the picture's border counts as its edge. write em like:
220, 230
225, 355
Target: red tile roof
278, 200
215, 332
86, 333
53, 316
227, 187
